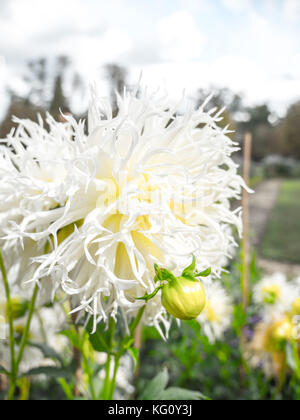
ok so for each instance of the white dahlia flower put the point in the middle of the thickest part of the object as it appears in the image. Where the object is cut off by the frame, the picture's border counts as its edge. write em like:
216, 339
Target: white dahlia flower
216, 317
274, 295
90, 213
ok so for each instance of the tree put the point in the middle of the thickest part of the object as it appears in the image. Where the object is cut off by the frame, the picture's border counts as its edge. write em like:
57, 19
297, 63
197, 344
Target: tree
290, 132
264, 134
35, 77
117, 79
59, 101
21, 108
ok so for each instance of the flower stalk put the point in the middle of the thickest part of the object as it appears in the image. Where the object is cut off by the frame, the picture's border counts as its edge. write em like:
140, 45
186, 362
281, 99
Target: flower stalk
11, 329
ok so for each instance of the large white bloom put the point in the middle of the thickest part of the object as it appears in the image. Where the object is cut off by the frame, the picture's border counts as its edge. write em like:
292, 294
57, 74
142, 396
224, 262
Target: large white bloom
95, 211
216, 317
274, 295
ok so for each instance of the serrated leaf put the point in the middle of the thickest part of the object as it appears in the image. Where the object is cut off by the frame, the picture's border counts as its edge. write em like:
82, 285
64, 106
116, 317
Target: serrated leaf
181, 394
155, 387
47, 351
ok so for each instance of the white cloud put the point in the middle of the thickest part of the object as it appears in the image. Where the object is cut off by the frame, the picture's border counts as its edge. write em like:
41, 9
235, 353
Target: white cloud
186, 42
37, 28
237, 5
180, 37
292, 9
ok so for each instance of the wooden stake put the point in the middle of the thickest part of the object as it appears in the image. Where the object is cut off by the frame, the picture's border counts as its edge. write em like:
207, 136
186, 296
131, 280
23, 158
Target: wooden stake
245, 205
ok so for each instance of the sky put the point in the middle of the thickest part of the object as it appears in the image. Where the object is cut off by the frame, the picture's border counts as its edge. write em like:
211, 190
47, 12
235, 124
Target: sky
250, 46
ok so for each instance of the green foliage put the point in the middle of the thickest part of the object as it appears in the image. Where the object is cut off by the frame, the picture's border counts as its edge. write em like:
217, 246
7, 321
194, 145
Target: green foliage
156, 389
290, 132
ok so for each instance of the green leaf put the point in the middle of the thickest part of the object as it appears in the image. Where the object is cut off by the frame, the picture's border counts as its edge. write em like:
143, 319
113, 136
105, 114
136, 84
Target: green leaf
181, 394
135, 356
101, 339
47, 351
204, 273
72, 336
162, 274
158, 276
127, 342
49, 371
155, 387
189, 271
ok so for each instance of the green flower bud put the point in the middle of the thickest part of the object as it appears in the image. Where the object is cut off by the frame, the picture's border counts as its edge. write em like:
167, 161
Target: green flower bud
184, 298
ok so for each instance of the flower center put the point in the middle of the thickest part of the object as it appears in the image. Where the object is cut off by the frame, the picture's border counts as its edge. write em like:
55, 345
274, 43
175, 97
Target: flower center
210, 312
271, 294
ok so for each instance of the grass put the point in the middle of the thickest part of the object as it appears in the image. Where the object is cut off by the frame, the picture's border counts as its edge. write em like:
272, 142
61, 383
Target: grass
282, 238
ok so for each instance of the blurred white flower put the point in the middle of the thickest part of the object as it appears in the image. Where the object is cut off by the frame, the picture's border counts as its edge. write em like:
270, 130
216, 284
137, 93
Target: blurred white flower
95, 211
297, 284
217, 315
45, 326
274, 295
260, 353
124, 379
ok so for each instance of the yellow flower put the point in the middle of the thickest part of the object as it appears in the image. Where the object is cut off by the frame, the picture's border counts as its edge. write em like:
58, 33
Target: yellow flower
296, 307
278, 334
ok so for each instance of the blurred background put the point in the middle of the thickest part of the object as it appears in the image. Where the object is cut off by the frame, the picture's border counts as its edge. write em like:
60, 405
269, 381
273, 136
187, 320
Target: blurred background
246, 52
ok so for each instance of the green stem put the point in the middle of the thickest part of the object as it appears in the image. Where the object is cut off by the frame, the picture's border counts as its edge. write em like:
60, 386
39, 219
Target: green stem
89, 372
113, 382
23, 344
92, 388
27, 328
11, 329
106, 386
107, 382
137, 320
123, 349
